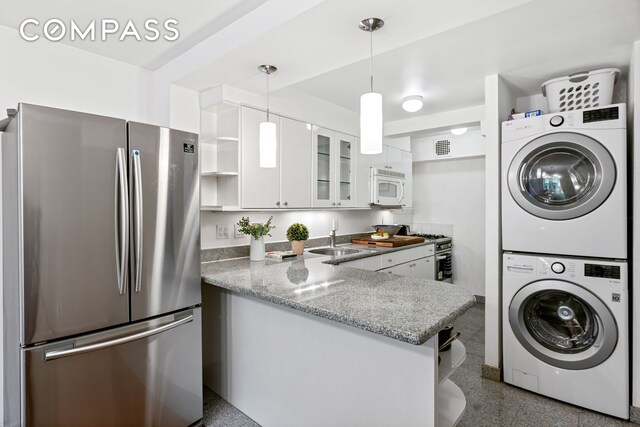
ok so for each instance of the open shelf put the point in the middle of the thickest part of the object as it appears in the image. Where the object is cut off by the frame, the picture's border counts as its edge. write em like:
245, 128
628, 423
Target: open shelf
451, 404
216, 173
220, 208
215, 140
450, 360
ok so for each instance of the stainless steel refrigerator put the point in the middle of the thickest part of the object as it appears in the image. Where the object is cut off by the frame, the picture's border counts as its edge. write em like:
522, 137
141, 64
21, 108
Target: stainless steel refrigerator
101, 266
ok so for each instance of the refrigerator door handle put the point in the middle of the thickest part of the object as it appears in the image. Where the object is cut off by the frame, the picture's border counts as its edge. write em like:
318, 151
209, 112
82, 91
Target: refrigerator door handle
57, 354
137, 182
121, 219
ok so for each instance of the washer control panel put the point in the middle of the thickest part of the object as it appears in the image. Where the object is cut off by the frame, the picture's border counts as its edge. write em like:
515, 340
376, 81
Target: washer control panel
556, 121
558, 267
563, 268
603, 271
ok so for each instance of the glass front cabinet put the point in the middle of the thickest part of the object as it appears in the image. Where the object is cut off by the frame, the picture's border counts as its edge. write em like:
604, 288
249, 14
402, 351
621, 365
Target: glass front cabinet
333, 169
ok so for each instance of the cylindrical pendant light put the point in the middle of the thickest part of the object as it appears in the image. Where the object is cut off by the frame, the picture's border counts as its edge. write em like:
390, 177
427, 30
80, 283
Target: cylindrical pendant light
268, 132
371, 103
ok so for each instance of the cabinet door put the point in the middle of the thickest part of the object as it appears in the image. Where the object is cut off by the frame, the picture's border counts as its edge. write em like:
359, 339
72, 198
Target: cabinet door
394, 158
323, 155
431, 268
345, 170
407, 167
400, 270
363, 177
378, 160
260, 186
295, 164
420, 268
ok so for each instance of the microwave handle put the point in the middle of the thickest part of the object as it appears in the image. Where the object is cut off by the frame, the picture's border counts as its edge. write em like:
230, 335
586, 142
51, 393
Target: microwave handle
401, 198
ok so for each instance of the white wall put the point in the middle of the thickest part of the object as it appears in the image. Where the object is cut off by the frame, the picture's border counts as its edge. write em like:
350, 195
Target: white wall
319, 223
470, 144
499, 101
452, 192
61, 76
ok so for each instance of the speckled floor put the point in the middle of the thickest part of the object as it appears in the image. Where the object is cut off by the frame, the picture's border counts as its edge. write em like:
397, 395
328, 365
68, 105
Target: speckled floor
488, 403
497, 404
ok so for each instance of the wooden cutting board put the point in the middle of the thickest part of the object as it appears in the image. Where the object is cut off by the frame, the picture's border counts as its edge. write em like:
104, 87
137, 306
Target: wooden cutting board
391, 242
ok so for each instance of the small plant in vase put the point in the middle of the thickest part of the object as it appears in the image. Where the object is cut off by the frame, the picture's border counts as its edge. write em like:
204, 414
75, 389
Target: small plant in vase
297, 234
257, 231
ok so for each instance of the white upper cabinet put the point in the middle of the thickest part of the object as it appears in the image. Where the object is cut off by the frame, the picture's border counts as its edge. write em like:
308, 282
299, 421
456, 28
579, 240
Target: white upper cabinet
406, 166
334, 169
364, 162
345, 168
323, 166
295, 164
260, 186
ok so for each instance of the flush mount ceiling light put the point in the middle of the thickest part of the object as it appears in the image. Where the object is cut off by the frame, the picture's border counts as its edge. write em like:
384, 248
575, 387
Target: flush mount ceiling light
371, 103
412, 103
459, 131
268, 149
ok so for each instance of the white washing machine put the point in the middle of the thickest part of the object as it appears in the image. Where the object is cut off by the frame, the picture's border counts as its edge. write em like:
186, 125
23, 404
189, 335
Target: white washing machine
565, 330
564, 183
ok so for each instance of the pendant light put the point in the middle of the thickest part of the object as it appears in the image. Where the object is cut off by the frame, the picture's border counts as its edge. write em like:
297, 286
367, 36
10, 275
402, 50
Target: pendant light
371, 103
268, 150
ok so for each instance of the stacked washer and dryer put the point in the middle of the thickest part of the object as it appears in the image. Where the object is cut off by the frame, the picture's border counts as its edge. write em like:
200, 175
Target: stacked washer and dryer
564, 232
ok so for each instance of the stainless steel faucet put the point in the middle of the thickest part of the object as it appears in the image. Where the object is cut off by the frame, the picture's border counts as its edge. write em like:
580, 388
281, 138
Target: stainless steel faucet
332, 239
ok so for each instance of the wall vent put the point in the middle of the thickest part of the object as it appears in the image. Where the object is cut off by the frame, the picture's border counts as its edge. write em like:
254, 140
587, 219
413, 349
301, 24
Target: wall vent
442, 148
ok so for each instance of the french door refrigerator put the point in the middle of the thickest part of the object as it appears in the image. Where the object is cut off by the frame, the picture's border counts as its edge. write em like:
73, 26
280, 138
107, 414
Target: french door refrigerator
101, 271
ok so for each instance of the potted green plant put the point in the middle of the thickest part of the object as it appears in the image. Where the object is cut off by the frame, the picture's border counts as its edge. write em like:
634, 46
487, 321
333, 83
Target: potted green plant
297, 233
257, 231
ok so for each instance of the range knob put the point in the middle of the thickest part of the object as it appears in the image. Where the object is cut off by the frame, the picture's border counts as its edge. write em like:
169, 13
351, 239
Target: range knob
557, 267
556, 121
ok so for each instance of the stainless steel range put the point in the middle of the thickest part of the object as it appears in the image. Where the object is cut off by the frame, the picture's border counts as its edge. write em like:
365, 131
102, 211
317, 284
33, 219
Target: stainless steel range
443, 263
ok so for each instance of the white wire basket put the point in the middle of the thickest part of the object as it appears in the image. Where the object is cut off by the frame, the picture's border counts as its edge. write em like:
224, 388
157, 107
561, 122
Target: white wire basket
586, 89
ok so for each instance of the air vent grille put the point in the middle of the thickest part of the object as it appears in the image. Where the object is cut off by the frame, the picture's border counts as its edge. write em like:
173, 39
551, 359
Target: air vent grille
442, 148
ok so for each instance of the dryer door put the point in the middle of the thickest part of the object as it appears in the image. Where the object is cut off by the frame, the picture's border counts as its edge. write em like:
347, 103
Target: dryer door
561, 176
563, 324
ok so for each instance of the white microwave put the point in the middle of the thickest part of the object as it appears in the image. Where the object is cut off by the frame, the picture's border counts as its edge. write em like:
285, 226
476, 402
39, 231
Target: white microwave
387, 187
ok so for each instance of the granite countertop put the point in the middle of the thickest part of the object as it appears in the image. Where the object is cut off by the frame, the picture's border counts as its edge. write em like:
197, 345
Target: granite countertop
403, 308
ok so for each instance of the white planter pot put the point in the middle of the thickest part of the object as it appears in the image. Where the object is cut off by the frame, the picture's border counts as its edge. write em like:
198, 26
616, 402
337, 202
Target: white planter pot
256, 251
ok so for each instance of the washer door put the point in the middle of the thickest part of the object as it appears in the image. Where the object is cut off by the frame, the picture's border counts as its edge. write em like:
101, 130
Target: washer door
561, 176
563, 324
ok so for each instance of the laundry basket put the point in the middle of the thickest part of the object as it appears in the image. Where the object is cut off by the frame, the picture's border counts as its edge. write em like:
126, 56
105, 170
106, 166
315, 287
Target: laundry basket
586, 89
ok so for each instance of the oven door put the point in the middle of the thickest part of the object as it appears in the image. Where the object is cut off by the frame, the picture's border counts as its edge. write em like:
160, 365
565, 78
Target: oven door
387, 191
444, 271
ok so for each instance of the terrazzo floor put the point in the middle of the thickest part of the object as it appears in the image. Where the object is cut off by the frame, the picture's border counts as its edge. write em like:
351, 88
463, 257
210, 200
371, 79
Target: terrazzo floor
488, 403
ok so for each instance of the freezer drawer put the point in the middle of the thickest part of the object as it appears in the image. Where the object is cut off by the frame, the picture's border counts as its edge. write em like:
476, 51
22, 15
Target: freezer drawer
154, 380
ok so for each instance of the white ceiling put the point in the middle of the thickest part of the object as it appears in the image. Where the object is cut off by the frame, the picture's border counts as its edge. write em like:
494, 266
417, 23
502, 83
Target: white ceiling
197, 20
440, 50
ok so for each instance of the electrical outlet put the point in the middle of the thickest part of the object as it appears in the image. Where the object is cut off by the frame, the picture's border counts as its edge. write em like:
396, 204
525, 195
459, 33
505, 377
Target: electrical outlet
236, 232
222, 231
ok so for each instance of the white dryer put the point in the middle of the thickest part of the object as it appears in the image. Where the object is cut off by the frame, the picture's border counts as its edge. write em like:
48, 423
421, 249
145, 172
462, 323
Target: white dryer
566, 331
564, 183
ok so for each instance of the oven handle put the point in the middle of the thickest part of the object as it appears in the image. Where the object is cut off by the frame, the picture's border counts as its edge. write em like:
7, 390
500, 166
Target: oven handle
441, 257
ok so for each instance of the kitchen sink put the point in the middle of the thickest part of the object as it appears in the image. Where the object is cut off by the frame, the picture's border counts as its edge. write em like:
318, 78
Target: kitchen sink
334, 251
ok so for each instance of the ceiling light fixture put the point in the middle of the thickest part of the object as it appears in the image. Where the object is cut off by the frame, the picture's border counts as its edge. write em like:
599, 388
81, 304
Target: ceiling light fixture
412, 103
371, 103
268, 150
459, 131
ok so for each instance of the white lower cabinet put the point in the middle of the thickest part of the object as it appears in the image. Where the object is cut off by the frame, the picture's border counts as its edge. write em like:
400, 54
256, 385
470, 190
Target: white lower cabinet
417, 262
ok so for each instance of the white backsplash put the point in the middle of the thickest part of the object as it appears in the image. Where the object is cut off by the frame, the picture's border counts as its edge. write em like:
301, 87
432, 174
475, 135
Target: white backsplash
318, 222
432, 228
